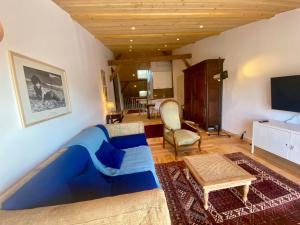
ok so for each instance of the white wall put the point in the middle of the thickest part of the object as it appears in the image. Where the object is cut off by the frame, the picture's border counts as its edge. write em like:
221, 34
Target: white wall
162, 74
42, 30
253, 54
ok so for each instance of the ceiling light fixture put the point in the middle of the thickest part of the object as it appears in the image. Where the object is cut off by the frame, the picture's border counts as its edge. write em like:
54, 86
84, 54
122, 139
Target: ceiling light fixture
130, 50
166, 46
158, 49
132, 28
201, 26
177, 39
130, 46
131, 40
133, 75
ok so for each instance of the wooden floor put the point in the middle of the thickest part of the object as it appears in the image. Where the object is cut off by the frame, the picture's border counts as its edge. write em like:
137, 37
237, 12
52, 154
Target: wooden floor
140, 117
223, 145
226, 145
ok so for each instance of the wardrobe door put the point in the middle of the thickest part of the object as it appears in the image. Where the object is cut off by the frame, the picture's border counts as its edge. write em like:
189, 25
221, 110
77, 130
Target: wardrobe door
278, 142
187, 95
199, 95
213, 93
294, 152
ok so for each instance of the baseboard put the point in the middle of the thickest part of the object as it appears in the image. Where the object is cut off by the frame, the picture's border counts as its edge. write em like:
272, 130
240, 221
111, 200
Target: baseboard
247, 139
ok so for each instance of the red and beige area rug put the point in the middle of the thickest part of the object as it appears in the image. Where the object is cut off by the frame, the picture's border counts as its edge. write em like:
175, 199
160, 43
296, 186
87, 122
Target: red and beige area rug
272, 199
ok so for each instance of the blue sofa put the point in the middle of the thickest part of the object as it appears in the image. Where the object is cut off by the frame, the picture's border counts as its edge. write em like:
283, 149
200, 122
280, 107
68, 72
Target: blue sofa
77, 175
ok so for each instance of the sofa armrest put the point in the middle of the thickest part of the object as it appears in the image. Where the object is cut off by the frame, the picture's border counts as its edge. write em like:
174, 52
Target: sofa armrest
122, 129
147, 207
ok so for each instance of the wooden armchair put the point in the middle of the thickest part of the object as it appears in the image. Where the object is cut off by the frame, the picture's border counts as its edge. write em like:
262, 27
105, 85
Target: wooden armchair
173, 133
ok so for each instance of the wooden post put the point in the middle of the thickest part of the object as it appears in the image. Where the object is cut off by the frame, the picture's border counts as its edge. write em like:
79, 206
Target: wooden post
187, 64
149, 59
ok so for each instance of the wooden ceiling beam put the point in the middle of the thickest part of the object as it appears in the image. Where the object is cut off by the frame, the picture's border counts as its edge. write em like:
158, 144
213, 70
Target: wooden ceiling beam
178, 15
114, 73
187, 64
154, 35
149, 59
167, 21
174, 4
142, 44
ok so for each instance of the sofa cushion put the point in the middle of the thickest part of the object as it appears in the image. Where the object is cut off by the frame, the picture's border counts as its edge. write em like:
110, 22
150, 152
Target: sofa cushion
129, 141
103, 128
50, 185
92, 138
110, 156
89, 185
135, 182
137, 159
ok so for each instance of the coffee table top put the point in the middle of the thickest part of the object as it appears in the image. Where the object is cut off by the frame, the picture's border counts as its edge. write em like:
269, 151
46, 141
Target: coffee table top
215, 169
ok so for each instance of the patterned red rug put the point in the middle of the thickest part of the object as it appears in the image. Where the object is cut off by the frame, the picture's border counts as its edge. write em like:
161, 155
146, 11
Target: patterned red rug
272, 199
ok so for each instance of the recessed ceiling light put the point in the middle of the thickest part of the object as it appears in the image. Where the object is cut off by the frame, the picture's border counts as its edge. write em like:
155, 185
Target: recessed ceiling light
130, 46
133, 75
158, 49
130, 50
132, 28
134, 86
131, 40
166, 45
201, 26
177, 39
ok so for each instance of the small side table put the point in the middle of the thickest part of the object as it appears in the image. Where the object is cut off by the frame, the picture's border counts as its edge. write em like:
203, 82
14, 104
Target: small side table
149, 105
114, 117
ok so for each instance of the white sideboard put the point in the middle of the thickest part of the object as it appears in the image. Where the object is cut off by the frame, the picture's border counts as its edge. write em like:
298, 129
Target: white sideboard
279, 138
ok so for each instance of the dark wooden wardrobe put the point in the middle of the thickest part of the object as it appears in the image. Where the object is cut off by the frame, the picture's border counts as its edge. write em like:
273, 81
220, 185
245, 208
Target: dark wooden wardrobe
203, 93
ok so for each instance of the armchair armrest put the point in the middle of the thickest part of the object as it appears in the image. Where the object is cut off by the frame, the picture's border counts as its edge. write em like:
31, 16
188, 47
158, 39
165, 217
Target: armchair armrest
122, 129
169, 128
188, 122
192, 125
140, 208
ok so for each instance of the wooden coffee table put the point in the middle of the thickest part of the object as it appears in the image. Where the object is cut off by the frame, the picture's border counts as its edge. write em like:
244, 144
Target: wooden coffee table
214, 172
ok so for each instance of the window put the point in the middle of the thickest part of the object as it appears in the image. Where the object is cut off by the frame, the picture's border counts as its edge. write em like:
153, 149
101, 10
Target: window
143, 74
143, 93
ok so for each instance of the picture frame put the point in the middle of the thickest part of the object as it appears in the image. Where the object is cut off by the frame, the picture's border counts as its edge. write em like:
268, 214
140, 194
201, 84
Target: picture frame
104, 85
41, 89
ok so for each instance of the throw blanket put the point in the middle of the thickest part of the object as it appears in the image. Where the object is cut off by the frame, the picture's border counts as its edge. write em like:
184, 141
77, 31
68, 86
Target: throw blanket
137, 159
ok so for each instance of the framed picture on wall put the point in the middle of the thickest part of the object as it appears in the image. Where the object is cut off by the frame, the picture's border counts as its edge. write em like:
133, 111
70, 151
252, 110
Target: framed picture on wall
41, 89
104, 85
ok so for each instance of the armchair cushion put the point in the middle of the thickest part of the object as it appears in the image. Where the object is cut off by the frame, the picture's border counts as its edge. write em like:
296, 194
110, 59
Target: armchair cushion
182, 137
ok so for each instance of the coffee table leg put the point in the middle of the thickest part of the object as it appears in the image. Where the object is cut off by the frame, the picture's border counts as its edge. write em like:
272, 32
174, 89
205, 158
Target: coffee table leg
187, 173
246, 190
206, 200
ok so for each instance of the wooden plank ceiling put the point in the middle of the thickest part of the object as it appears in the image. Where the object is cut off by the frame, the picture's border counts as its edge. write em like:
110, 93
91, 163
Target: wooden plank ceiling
164, 25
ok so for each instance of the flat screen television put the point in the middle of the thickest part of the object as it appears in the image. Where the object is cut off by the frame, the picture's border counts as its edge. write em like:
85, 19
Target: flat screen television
285, 93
